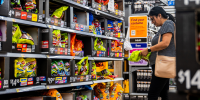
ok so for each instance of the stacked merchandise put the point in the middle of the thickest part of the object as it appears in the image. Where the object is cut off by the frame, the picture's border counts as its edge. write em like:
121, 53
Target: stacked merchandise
60, 68
83, 2
114, 28
100, 4
99, 48
25, 5
95, 25
143, 80
76, 46
78, 26
82, 67
60, 39
24, 68
116, 46
108, 91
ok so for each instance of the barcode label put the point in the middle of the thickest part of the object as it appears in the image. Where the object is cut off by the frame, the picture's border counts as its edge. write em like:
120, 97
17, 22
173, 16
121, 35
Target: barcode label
132, 32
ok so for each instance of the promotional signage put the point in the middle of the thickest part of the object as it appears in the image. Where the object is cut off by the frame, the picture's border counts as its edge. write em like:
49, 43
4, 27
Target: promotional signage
138, 26
171, 2
138, 40
139, 45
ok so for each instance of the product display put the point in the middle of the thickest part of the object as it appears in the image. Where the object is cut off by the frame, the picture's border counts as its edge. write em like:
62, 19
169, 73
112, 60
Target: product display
25, 67
116, 46
60, 68
59, 13
94, 25
93, 72
25, 5
98, 45
83, 67
144, 74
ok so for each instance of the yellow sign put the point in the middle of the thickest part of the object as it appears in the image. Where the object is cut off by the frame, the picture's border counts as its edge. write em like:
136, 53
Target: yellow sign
34, 17
23, 79
138, 26
58, 78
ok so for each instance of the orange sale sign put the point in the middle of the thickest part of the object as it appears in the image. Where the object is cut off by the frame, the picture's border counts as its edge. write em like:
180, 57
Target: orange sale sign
138, 26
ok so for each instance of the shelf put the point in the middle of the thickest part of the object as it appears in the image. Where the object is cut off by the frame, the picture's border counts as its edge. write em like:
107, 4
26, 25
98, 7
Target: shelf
126, 57
108, 15
139, 94
23, 21
125, 72
23, 55
66, 57
108, 80
137, 68
107, 58
23, 89
82, 83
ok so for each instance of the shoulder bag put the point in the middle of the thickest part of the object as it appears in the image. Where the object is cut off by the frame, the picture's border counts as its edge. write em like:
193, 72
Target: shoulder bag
165, 66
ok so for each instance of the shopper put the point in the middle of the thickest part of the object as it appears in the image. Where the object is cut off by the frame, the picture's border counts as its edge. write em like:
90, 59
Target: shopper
159, 86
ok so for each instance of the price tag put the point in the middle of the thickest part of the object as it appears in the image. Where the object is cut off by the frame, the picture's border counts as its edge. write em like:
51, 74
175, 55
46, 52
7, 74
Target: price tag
116, 12
18, 90
47, 56
49, 26
1, 17
48, 87
72, 85
13, 20
22, 55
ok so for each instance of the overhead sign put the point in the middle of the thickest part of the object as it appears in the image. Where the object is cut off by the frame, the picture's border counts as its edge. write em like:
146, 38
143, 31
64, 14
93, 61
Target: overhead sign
138, 26
138, 40
171, 3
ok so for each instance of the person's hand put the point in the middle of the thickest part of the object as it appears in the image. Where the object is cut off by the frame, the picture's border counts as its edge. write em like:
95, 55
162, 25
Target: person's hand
144, 52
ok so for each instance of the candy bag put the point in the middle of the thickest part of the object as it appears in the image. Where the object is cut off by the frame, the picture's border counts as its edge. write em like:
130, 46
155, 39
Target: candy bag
83, 66
59, 12
31, 71
116, 91
75, 19
116, 6
16, 33
72, 42
98, 45
104, 72
16, 4
93, 73
60, 65
26, 38
54, 69
76, 69
67, 68
56, 38
105, 2
78, 45
18, 66
64, 40
30, 4
54, 93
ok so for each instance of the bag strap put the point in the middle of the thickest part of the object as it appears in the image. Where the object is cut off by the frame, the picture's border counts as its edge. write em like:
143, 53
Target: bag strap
174, 37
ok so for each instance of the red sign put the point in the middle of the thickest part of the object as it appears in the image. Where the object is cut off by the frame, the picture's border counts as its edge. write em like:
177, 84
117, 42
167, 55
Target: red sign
23, 15
30, 82
45, 44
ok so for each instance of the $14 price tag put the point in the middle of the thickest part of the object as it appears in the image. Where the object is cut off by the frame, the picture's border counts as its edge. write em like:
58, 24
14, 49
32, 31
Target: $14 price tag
190, 80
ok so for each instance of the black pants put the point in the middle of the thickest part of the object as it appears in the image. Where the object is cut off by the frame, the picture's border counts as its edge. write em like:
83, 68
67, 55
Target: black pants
159, 87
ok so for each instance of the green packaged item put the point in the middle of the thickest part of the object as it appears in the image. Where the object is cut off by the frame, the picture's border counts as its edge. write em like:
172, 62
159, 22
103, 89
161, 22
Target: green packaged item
83, 66
98, 45
135, 56
54, 69
60, 65
56, 38
26, 38
93, 72
19, 67
104, 72
59, 12
64, 40
16, 33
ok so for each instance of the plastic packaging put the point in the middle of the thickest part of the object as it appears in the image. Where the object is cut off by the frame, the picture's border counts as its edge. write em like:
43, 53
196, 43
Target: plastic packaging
116, 91
59, 12
31, 70
26, 38
54, 69
78, 45
75, 18
116, 6
60, 65
16, 4
56, 38
93, 72
16, 33
54, 93
83, 66
98, 45
72, 42
64, 40
67, 68
18, 66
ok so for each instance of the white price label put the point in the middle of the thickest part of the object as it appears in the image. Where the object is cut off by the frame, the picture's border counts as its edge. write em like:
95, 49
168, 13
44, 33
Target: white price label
133, 32
190, 80
138, 85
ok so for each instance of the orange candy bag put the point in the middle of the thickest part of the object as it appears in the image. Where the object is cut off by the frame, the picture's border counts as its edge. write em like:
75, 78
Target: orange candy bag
72, 42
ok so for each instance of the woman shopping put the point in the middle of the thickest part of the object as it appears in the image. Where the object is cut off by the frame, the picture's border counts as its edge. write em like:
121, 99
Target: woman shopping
159, 86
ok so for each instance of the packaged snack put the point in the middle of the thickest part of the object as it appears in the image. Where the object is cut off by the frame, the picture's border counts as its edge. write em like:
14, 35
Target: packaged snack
64, 40
98, 45
83, 66
105, 2
56, 38
91, 24
116, 6
110, 25
72, 42
116, 91
104, 72
26, 38
76, 69
59, 12
54, 93
75, 19
16, 33
93, 73
16, 4
67, 68
60, 65
18, 66
98, 1
78, 45
31, 70
54, 69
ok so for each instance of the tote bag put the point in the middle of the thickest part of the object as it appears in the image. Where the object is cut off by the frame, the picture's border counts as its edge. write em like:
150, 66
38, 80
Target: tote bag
165, 66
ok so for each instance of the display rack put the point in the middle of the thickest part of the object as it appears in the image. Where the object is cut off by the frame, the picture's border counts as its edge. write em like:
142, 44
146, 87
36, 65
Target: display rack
45, 26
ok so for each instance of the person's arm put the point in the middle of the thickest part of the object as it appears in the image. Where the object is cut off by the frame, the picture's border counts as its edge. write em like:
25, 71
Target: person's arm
166, 39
